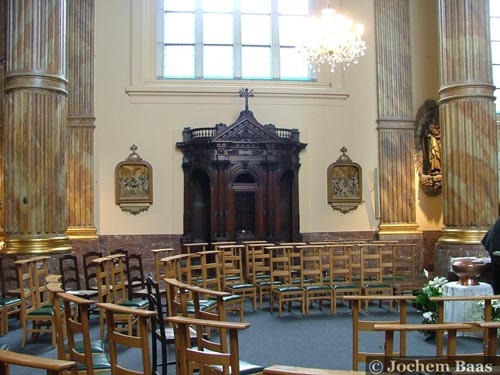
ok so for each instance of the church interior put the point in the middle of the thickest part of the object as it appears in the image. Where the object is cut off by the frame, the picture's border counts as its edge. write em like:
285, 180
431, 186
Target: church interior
102, 155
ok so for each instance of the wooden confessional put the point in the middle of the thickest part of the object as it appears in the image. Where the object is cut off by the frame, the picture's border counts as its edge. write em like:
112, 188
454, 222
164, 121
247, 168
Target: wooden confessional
241, 182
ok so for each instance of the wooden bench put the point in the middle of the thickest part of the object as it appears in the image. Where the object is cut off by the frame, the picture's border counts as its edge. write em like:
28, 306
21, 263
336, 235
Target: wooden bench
294, 370
471, 327
450, 328
52, 366
359, 325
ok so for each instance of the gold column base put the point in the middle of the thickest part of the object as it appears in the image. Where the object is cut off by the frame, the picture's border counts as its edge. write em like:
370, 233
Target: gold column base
467, 236
36, 246
82, 233
402, 228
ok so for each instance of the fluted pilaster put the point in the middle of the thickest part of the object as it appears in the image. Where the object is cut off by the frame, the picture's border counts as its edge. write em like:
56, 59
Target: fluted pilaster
467, 113
3, 54
35, 116
80, 130
395, 123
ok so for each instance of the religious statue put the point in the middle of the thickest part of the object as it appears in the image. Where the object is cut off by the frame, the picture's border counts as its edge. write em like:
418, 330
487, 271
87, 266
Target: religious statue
428, 147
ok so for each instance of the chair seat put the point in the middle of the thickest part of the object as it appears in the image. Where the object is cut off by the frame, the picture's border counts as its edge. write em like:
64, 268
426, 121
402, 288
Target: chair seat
246, 368
377, 286
241, 286
268, 283
317, 287
9, 301
100, 362
288, 289
96, 346
43, 311
231, 298
140, 303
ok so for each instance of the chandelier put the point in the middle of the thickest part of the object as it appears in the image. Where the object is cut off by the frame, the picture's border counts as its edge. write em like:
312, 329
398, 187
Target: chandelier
332, 39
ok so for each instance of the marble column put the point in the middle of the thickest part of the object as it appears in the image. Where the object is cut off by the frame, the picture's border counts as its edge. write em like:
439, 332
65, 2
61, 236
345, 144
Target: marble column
35, 105
395, 119
469, 134
3, 62
80, 127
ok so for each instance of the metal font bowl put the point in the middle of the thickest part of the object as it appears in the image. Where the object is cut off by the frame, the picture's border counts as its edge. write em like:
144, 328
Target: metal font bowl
468, 270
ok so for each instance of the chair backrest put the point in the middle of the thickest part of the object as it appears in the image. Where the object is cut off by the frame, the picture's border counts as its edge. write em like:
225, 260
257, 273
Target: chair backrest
251, 248
232, 265
311, 264
371, 263
117, 278
211, 270
8, 276
339, 264
89, 270
27, 291
217, 244
138, 341
68, 268
135, 274
190, 248
40, 272
53, 288
281, 271
204, 357
77, 328
158, 255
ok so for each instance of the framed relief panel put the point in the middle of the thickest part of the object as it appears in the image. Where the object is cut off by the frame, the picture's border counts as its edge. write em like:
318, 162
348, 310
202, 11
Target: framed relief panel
134, 183
344, 178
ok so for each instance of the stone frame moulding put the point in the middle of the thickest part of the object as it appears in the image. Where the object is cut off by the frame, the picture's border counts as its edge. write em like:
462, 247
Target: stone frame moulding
344, 184
134, 184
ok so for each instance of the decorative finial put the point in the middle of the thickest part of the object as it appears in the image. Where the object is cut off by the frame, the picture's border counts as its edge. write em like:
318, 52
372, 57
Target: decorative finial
344, 158
134, 155
343, 150
246, 93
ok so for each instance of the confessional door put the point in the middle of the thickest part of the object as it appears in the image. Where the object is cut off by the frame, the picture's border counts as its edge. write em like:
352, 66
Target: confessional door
286, 208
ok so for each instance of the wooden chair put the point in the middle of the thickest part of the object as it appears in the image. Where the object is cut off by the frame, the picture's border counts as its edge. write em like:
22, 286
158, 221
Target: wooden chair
233, 279
407, 273
70, 273
51, 366
211, 280
250, 247
119, 284
102, 267
118, 337
362, 325
10, 303
283, 290
260, 273
209, 357
341, 272
136, 280
311, 274
72, 320
36, 315
158, 255
372, 278
89, 268
160, 333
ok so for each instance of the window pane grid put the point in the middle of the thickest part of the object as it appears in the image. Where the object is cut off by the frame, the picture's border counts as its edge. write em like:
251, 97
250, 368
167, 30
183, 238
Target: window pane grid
495, 47
237, 39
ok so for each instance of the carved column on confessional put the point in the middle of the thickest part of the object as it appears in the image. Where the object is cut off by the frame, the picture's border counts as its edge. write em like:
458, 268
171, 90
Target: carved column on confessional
80, 127
467, 115
395, 118
270, 210
220, 209
35, 111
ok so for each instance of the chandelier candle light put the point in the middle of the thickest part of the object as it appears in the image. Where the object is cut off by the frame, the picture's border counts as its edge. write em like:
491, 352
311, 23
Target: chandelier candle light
332, 39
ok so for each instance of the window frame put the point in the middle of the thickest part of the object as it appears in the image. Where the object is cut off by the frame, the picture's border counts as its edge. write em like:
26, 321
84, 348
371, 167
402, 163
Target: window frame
144, 84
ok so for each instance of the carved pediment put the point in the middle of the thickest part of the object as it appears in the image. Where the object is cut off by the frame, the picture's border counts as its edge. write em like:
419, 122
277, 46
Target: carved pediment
246, 129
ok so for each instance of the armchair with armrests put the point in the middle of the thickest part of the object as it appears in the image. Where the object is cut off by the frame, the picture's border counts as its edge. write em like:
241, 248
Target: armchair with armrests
51, 366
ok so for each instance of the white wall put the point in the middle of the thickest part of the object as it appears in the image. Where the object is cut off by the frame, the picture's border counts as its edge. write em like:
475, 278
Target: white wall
154, 122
